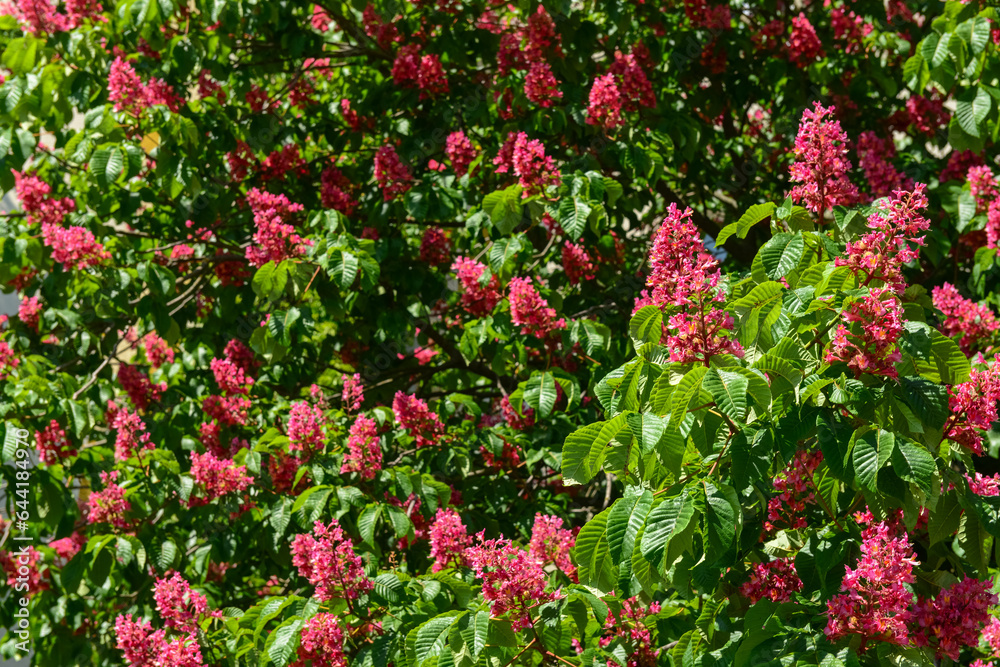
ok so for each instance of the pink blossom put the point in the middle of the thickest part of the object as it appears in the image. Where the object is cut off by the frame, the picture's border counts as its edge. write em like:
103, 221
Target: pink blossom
8, 361
353, 393
425, 72
874, 157
973, 406
15, 562
460, 151
73, 247
158, 352
329, 563
449, 539
29, 311
849, 27
38, 17
479, 296
866, 341
364, 452
384, 34
434, 247
320, 20
605, 103
322, 642
631, 627
984, 486
282, 161
178, 605
633, 85
874, 601
715, 18
514, 420
795, 492
551, 543
109, 504
926, 114
335, 191
53, 445
953, 619
230, 410
140, 389
775, 580
534, 169
513, 581
231, 378
237, 352
804, 45
529, 310
241, 161
975, 323
39, 207
541, 36
129, 93
820, 167
68, 547
305, 428
275, 239
216, 477
391, 174
416, 418
959, 163
541, 86
132, 435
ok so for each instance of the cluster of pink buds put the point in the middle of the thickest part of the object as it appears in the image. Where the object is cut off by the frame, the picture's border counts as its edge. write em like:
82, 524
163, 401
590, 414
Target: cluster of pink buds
109, 504
140, 389
322, 642
435, 248
526, 158
327, 560
216, 477
417, 419
953, 619
551, 543
974, 323
460, 151
630, 625
275, 240
128, 92
53, 445
423, 72
795, 491
449, 539
132, 436
775, 580
973, 406
513, 581
530, 311
874, 158
392, 176
479, 297
820, 166
364, 453
158, 351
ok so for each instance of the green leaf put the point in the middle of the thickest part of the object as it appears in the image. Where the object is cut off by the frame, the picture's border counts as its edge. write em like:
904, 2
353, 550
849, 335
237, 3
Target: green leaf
688, 388
540, 392
665, 521
782, 254
871, 451
722, 518
646, 326
593, 556
742, 227
573, 214
914, 464
934, 48
19, 56
344, 268
585, 448
626, 518
285, 642
729, 391
971, 108
942, 361
928, 400
504, 208
503, 252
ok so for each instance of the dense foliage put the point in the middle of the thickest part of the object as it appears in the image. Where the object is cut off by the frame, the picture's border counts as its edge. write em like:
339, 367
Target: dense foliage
387, 333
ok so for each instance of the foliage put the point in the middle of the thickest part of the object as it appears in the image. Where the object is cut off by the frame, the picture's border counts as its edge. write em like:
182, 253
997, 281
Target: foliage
355, 334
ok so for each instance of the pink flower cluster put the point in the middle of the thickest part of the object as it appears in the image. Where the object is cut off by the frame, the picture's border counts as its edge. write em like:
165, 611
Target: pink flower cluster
158, 352
460, 152
8, 361
231, 378
178, 605
775, 580
820, 166
132, 435
984, 188
353, 393
424, 72
129, 93
416, 418
140, 389
516, 421
391, 174
434, 247
141, 646
29, 311
281, 161
896, 234
24, 568
973, 407
926, 114
795, 491
73, 247
634, 87
869, 346
327, 560
605, 106
874, 158
804, 45
216, 477
513, 581
541, 86
275, 239
953, 619
984, 486
959, 164
305, 428
850, 27
322, 642
364, 453
632, 627
449, 539
551, 543
229, 410
479, 297
108, 505
530, 311
33, 194
874, 603
528, 161
53, 445
39, 17
975, 323
335, 191
686, 277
